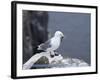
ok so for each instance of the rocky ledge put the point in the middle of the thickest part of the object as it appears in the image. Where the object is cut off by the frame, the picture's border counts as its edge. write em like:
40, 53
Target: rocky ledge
43, 60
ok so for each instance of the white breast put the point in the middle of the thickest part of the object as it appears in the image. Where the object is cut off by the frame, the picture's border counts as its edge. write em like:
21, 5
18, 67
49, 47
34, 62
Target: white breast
55, 42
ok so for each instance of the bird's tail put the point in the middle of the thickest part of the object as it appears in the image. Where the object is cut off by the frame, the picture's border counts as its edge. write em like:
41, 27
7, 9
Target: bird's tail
39, 49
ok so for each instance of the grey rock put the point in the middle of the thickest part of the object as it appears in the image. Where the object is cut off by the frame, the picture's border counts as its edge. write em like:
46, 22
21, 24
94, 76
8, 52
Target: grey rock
42, 60
41, 63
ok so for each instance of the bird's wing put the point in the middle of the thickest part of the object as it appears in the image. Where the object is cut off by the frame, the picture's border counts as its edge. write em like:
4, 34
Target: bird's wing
45, 46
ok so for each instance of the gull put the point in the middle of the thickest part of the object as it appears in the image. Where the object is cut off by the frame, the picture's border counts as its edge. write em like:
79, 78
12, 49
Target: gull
52, 44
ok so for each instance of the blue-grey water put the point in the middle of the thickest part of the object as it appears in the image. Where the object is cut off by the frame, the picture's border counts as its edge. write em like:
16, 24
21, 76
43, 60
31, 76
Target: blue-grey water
76, 28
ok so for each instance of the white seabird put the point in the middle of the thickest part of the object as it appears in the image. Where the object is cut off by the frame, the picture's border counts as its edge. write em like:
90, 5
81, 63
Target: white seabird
52, 44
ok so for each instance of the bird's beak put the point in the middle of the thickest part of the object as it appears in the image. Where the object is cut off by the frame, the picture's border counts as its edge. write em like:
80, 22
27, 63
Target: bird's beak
63, 36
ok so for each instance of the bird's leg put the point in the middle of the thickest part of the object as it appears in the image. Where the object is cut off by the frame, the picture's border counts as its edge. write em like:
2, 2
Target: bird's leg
56, 53
52, 54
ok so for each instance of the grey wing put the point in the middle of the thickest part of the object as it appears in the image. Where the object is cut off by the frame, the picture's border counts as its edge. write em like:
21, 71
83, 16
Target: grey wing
45, 46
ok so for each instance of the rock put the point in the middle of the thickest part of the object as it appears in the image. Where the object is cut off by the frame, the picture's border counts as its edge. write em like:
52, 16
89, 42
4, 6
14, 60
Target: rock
35, 32
57, 59
70, 62
41, 63
83, 64
42, 60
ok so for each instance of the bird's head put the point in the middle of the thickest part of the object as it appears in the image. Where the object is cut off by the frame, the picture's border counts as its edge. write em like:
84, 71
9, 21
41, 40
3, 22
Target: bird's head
59, 34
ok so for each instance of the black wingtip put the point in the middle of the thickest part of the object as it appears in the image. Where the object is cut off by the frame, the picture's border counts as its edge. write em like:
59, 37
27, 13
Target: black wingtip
39, 51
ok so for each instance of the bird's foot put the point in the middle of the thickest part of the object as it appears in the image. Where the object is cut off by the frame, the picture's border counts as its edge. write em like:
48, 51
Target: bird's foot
52, 56
56, 54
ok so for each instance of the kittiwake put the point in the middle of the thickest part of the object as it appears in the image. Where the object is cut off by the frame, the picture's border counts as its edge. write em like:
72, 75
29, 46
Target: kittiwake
52, 44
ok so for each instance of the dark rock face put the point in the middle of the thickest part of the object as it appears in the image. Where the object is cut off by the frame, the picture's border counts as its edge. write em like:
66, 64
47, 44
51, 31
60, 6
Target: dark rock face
34, 31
